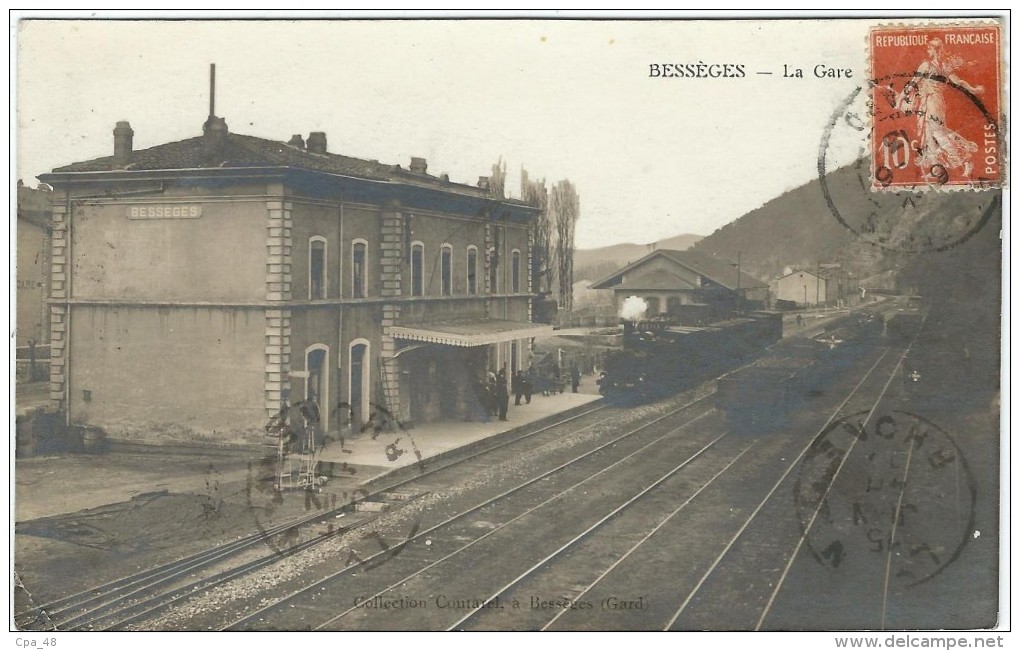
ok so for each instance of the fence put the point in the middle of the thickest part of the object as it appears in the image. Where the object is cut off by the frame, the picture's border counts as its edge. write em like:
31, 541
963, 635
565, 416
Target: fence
573, 320
32, 363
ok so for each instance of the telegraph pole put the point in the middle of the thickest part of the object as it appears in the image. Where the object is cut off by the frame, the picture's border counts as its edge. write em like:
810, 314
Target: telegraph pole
212, 89
818, 281
740, 302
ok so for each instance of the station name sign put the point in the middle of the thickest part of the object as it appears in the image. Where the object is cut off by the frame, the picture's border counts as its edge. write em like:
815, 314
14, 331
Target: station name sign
175, 211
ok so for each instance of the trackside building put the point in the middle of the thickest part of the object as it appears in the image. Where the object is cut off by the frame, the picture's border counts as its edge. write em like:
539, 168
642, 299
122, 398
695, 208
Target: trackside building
198, 287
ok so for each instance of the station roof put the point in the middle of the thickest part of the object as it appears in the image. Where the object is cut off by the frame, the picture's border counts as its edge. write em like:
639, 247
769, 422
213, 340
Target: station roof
238, 152
720, 271
472, 332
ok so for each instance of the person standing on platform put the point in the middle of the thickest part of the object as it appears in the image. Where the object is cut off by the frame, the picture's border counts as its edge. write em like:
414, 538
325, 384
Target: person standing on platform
537, 381
493, 399
575, 377
517, 386
502, 393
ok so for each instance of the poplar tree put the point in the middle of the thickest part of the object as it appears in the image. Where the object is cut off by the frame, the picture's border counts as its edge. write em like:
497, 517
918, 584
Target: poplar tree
534, 193
564, 210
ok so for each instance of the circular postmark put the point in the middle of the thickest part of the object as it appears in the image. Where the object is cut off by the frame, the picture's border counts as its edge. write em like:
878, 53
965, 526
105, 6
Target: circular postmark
898, 490
888, 195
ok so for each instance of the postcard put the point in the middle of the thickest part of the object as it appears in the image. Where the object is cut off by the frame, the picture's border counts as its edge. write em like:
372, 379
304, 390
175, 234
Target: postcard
548, 322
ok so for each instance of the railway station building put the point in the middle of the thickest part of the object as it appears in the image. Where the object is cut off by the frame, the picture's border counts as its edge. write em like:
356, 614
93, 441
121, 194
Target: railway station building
694, 286
826, 285
199, 287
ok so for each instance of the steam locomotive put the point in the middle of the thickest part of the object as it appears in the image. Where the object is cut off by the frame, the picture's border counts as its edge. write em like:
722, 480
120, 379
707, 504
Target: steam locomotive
661, 357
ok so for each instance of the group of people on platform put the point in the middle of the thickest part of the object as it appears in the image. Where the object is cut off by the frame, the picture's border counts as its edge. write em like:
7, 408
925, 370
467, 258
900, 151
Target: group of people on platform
495, 390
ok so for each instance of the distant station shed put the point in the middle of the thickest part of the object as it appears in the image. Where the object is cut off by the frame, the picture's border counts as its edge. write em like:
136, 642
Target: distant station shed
199, 287
696, 287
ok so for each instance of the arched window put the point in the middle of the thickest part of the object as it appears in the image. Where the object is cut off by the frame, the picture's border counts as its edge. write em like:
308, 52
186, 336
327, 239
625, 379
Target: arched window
359, 268
359, 382
494, 259
417, 269
515, 271
316, 267
317, 386
446, 268
472, 269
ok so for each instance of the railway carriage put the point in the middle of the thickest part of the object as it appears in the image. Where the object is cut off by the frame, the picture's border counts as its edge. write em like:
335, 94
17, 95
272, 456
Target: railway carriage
794, 372
661, 357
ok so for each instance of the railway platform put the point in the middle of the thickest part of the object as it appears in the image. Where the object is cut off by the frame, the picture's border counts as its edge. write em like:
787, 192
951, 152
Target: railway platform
372, 457
54, 485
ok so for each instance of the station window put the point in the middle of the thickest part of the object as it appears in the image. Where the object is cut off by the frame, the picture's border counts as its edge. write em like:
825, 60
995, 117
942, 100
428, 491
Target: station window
359, 273
653, 306
497, 243
446, 264
472, 270
417, 269
316, 267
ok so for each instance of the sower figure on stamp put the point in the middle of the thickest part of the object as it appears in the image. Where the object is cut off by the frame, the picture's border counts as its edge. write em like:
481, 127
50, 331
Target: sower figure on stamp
940, 144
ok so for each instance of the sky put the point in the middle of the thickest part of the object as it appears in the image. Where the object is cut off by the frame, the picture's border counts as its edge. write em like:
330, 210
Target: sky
651, 157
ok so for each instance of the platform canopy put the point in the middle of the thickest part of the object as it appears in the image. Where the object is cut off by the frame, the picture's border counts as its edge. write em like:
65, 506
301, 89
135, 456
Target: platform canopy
478, 332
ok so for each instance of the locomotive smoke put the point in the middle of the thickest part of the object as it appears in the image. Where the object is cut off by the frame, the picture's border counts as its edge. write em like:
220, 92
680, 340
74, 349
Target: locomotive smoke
633, 308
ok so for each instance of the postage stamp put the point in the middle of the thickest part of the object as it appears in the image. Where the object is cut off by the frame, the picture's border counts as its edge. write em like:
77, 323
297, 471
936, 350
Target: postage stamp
936, 95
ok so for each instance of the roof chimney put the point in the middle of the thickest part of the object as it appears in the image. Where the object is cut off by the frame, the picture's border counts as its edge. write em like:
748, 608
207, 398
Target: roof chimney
317, 142
214, 137
419, 165
123, 136
214, 131
296, 141
483, 182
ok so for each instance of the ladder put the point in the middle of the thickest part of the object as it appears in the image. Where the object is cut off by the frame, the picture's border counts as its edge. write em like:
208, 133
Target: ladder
276, 451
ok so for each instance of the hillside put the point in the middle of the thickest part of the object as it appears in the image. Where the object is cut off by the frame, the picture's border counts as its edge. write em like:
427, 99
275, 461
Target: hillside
795, 229
592, 264
798, 228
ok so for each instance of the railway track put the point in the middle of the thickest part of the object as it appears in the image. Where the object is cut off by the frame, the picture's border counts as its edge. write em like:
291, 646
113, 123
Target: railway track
642, 557
126, 599
326, 605
142, 596
456, 533
737, 587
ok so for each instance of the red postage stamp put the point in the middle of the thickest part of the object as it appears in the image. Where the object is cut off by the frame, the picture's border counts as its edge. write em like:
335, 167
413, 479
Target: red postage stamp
936, 106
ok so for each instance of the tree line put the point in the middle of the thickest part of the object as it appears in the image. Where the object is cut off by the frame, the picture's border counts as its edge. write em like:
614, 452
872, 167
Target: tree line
552, 261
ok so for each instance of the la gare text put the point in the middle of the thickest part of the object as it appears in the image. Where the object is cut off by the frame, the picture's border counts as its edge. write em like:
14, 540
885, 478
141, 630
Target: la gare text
703, 70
